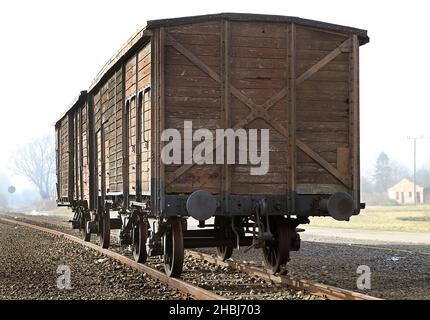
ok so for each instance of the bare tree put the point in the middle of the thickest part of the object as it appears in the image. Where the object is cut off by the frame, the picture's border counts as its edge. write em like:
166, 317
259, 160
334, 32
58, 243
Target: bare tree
36, 161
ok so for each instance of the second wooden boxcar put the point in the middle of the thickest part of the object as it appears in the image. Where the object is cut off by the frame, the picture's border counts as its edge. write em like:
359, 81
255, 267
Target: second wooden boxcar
296, 78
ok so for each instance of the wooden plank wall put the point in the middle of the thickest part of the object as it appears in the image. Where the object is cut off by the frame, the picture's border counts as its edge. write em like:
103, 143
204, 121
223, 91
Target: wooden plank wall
97, 128
191, 94
221, 74
137, 84
244, 67
146, 143
64, 158
72, 153
77, 136
85, 159
113, 145
108, 110
256, 59
322, 110
130, 86
144, 81
259, 70
57, 160
108, 117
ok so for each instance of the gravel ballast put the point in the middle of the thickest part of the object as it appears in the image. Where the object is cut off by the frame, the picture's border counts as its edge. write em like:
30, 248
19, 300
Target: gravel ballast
397, 272
29, 261
223, 281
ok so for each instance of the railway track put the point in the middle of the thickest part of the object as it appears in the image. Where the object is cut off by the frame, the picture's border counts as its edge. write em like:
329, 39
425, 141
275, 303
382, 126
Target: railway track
182, 286
206, 277
66, 225
320, 290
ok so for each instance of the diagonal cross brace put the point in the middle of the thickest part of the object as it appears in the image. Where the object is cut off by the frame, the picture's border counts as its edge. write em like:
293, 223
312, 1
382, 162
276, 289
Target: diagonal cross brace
261, 111
257, 111
344, 47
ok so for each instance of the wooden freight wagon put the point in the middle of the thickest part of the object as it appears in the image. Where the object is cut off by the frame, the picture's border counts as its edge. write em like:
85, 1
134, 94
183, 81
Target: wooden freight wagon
295, 79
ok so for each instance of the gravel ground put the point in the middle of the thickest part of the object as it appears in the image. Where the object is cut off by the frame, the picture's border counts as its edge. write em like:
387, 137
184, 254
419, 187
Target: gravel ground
29, 262
235, 285
221, 280
226, 281
397, 272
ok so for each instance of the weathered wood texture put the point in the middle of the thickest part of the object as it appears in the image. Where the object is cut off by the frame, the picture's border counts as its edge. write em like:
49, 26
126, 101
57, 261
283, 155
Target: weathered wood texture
108, 112
137, 83
300, 82
193, 94
64, 158
300, 77
85, 153
323, 106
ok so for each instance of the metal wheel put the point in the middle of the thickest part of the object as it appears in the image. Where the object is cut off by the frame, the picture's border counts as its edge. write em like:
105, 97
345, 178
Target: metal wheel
84, 219
174, 248
223, 225
140, 235
277, 251
104, 229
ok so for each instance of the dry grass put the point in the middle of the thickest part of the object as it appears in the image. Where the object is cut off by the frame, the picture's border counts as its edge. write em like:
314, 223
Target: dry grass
56, 211
401, 218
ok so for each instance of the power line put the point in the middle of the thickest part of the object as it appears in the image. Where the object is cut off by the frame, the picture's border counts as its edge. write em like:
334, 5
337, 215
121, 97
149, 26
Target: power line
415, 162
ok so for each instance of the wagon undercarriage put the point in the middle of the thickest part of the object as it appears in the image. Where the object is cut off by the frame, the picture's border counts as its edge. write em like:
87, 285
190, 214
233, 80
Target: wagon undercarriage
259, 223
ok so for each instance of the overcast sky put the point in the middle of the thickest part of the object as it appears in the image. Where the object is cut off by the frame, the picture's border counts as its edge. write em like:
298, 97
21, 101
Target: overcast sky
51, 50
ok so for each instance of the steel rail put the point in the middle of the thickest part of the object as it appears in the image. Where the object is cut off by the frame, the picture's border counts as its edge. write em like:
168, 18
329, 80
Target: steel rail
45, 220
317, 289
64, 224
314, 288
176, 284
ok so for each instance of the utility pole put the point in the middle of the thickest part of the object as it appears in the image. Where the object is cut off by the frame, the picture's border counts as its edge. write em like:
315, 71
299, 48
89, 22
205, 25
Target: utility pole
415, 164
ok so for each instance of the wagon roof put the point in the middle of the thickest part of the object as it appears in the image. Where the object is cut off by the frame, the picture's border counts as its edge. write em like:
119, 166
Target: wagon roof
141, 36
362, 34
